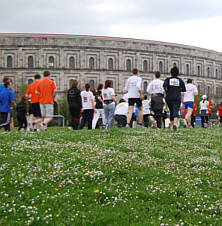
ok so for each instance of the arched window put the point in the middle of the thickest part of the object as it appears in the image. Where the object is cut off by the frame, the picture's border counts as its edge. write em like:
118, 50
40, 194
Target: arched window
187, 69
30, 81
198, 70
208, 91
161, 67
110, 64
208, 72
91, 63
71, 62
145, 84
145, 66
51, 62
70, 83
9, 61
30, 62
92, 84
128, 65
216, 73
199, 88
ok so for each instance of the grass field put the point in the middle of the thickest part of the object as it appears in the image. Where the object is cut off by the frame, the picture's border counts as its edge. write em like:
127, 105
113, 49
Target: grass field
116, 177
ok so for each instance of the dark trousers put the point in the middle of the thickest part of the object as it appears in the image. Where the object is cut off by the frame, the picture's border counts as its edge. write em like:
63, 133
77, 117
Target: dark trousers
146, 120
121, 120
193, 120
87, 117
157, 115
75, 117
174, 109
220, 119
22, 121
5, 120
204, 119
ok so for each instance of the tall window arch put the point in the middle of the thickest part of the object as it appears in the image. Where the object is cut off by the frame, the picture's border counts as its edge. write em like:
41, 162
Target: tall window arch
30, 62
70, 83
110, 64
145, 84
208, 91
128, 65
199, 88
198, 70
216, 73
71, 62
9, 61
208, 71
145, 66
187, 69
91, 63
92, 84
51, 62
30, 81
161, 67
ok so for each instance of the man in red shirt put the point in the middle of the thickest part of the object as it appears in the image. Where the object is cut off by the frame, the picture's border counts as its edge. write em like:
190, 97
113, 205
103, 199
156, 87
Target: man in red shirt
219, 111
35, 115
210, 111
194, 114
46, 90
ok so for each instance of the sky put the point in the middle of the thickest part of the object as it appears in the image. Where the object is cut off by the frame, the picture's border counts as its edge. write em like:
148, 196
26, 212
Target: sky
190, 22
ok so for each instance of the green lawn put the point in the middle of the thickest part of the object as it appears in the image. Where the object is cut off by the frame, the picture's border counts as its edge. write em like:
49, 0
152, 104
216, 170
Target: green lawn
116, 177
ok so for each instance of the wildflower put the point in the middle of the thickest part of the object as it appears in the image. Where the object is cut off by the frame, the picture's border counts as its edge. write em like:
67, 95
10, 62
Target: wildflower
96, 191
56, 189
60, 186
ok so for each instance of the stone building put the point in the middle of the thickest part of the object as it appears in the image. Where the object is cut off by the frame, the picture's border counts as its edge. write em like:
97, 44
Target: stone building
95, 59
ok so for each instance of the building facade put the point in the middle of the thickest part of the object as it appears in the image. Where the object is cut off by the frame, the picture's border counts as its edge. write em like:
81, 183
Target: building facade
93, 59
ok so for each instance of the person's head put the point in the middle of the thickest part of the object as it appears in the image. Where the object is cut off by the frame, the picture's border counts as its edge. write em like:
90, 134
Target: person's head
135, 71
5, 79
174, 72
8, 85
37, 76
46, 74
157, 74
87, 86
94, 92
189, 80
108, 84
100, 87
74, 83
23, 98
121, 100
145, 97
221, 103
204, 97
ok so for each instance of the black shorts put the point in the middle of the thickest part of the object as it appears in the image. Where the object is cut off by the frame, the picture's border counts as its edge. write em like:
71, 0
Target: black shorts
136, 101
35, 109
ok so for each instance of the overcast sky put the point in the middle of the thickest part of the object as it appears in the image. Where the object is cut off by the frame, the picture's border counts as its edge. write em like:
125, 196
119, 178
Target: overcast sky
191, 22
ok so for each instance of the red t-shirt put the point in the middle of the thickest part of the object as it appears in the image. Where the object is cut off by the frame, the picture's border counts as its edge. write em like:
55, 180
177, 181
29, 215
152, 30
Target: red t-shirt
31, 91
219, 109
46, 89
194, 109
210, 107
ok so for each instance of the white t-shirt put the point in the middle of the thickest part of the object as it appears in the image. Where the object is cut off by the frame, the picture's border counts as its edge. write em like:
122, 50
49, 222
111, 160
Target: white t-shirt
133, 86
146, 107
155, 86
108, 93
189, 94
87, 98
122, 109
204, 105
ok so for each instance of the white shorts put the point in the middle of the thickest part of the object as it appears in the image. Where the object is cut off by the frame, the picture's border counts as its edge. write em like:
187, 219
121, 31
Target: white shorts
46, 110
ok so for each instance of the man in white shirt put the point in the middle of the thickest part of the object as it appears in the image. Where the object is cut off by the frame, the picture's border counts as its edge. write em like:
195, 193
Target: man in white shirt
121, 112
155, 89
133, 87
191, 92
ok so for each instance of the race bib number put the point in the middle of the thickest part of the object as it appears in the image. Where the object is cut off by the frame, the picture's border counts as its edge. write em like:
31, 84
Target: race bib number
174, 82
105, 95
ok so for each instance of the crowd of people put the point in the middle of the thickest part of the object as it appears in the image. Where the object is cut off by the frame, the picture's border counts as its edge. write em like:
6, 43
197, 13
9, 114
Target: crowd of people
86, 107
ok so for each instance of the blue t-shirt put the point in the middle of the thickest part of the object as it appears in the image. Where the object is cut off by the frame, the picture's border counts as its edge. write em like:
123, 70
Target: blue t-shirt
6, 97
174, 86
2, 87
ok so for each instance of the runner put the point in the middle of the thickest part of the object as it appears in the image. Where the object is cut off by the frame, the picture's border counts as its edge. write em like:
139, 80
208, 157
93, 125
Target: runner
191, 92
88, 107
99, 107
75, 104
21, 114
46, 90
155, 88
174, 88
146, 111
210, 112
133, 87
204, 105
121, 112
109, 101
7, 100
35, 116
219, 112
194, 114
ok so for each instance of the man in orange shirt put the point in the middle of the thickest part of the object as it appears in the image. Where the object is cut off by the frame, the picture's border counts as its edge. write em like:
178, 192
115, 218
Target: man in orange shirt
46, 90
35, 115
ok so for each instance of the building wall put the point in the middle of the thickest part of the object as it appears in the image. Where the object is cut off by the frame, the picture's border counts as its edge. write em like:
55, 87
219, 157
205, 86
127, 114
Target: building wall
72, 59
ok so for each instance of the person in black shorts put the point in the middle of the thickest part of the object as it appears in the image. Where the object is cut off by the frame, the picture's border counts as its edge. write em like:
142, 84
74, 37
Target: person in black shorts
21, 114
174, 88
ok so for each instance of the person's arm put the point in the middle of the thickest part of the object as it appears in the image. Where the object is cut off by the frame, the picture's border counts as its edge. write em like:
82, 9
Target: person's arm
100, 99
